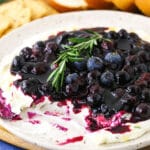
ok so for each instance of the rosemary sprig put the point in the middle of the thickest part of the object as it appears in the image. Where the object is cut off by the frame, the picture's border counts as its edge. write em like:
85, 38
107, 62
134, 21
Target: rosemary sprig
71, 54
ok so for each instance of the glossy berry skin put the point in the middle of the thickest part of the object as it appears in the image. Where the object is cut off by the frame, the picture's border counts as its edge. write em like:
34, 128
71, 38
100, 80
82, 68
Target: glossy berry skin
93, 76
71, 88
107, 78
26, 52
146, 95
113, 57
122, 77
80, 65
50, 47
39, 68
94, 99
17, 63
71, 78
30, 86
27, 67
143, 110
39, 46
123, 34
95, 63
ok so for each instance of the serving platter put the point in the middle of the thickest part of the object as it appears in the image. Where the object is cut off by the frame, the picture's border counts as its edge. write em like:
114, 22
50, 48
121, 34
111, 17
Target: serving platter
42, 28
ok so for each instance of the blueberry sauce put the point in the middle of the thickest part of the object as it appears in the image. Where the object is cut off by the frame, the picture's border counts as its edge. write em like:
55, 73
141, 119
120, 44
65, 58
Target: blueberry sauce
62, 128
72, 140
5, 109
112, 81
120, 129
52, 113
16, 118
34, 122
66, 119
40, 100
31, 115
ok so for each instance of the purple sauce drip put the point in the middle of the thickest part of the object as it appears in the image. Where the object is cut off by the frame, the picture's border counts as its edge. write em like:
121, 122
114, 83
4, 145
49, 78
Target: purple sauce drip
72, 140
31, 115
120, 129
5, 109
35, 121
62, 128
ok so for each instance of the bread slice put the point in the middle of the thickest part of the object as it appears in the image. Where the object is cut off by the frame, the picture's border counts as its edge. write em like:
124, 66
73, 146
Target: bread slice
99, 4
126, 5
143, 6
67, 5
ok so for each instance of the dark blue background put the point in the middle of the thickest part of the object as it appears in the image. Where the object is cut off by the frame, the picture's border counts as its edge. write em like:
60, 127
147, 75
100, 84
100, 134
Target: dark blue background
6, 146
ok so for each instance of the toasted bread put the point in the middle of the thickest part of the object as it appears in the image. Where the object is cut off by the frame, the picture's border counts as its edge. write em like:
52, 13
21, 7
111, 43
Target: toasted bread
67, 5
144, 6
126, 5
99, 4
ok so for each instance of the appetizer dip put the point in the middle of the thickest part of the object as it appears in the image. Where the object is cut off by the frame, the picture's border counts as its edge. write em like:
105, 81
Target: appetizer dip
85, 87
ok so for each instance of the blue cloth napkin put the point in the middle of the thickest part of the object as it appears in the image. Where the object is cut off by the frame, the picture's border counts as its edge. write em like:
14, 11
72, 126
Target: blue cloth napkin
6, 146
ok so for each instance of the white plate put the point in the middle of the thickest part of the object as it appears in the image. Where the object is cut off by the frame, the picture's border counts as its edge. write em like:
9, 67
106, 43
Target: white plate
41, 28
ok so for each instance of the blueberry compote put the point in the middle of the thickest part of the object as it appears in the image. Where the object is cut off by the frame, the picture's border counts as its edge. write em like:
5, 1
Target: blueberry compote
112, 80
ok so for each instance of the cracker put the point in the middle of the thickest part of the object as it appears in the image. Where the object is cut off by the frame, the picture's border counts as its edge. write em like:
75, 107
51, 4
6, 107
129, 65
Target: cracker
20, 17
17, 12
5, 24
39, 8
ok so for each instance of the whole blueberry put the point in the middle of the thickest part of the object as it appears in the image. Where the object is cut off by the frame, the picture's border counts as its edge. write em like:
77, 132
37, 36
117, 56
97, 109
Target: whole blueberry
40, 68
27, 67
93, 76
122, 77
107, 78
111, 35
80, 65
123, 34
95, 63
94, 100
26, 52
72, 88
113, 57
71, 78
39, 46
50, 47
17, 64
30, 86
143, 110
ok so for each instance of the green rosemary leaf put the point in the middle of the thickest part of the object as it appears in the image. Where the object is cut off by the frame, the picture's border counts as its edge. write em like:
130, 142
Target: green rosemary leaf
73, 53
77, 40
52, 75
73, 59
62, 66
62, 79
